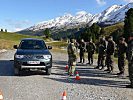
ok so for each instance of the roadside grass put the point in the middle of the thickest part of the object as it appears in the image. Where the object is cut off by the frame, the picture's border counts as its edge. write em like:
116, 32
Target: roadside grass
15, 36
7, 44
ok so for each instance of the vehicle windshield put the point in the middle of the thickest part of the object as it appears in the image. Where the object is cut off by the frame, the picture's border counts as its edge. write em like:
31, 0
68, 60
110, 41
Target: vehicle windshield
32, 44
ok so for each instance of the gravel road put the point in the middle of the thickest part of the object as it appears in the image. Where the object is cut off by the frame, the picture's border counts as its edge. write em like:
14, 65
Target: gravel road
35, 85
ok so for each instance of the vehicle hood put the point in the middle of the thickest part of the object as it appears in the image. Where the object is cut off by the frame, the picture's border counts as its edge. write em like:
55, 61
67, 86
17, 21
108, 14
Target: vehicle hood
33, 52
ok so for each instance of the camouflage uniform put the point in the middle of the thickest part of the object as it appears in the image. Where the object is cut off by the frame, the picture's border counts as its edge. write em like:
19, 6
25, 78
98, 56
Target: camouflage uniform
110, 55
130, 61
72, 57
102, 53
122, 49
90, 49
82, 52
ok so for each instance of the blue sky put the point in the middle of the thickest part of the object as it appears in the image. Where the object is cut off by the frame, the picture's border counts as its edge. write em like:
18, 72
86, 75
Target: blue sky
20, 14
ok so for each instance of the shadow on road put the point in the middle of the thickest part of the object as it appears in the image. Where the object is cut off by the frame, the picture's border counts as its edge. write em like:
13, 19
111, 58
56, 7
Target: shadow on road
89, 76
6, 68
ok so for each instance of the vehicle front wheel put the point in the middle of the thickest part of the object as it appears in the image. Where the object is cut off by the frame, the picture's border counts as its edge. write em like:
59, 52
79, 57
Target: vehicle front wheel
48, 71
16, 71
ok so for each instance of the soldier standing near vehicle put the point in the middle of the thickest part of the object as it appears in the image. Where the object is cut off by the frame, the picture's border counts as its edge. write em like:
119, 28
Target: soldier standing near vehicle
130, 60
110, 54
76, 44
82, 51
122, 49
90, 47
102, 53
72, 57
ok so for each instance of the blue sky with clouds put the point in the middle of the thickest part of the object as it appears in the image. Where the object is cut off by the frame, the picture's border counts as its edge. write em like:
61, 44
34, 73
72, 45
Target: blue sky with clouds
19, 14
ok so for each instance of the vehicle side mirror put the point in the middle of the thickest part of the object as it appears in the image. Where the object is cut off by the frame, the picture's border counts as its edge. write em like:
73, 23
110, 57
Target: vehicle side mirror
15, 47
49, 47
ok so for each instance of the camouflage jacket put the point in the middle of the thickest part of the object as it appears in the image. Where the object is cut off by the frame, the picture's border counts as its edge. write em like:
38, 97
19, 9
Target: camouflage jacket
110, 47
102, 47
122, 49
130, 51
82, 46
90, 46
72, 51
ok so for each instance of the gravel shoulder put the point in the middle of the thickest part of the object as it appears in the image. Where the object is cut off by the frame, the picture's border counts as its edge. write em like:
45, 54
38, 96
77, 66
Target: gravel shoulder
35, 85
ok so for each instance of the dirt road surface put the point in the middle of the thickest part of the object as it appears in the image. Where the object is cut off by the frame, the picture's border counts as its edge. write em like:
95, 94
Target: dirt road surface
35, 85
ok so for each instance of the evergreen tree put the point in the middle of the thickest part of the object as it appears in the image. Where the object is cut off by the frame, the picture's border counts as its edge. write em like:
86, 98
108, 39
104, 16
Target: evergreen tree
72, 36
47, 33
1, 30
102, 31
5, 30
95, 29
79, 39
128, 27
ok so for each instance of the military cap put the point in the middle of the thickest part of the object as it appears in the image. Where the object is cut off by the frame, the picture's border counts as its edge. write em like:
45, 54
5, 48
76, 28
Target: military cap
110, 37
121, 39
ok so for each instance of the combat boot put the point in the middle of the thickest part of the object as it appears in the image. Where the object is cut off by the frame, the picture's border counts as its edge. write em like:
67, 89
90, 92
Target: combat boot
121, 73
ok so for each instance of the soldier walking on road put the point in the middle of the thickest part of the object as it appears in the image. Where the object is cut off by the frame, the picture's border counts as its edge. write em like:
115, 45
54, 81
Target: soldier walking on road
130, 60
122, 49
90, 47
82, 51
102, 53
72, 57
110, 54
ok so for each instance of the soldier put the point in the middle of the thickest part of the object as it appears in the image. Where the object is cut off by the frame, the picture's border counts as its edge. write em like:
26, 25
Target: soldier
72, 57
90, 47
110, 54
76, 44
122, 49
130, 60
82, 51
102, 51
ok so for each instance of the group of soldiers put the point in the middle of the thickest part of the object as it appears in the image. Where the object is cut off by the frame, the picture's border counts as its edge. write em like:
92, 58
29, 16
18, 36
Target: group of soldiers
106, 50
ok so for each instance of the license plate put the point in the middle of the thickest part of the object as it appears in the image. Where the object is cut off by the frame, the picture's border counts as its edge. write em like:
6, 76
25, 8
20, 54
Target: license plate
33, 62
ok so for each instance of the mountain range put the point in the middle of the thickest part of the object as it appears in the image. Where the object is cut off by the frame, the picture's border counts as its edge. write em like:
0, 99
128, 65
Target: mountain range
112, 15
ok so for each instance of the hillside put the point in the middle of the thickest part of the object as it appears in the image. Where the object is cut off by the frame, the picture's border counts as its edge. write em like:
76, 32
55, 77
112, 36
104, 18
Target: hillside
110, 16
8, 39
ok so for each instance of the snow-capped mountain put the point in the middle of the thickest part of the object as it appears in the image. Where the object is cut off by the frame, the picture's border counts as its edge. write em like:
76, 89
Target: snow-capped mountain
113, 15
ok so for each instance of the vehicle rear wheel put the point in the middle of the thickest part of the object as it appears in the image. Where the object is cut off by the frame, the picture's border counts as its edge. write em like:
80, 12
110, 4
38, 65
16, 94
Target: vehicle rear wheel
48, 71
16, 71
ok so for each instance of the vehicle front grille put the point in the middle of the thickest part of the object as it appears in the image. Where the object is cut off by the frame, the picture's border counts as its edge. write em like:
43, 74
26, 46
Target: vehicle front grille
26, 64
33, 57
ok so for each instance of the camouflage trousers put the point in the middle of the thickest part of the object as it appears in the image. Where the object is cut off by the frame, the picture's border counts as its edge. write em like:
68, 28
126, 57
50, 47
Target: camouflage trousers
90, 57
130, 70
121, 63
82, 56
109, 62
71, 68
101, 60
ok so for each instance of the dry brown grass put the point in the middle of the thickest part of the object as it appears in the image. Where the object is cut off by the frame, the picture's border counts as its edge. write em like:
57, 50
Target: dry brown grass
7, 44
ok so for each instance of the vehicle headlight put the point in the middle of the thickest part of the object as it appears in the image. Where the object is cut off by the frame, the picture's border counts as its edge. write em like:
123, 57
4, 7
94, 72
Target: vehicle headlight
47, 56
19, 56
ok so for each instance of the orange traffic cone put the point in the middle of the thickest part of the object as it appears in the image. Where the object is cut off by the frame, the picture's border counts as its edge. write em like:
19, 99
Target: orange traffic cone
66, 66
77, 76
64, 96
1, 97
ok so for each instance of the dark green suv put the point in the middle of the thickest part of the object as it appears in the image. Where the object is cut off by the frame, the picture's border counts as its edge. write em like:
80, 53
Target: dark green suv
32, 54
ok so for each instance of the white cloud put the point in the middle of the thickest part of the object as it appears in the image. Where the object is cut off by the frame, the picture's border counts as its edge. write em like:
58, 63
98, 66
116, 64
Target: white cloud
101, 3
128, 1
17, 24
17, 29
81, 13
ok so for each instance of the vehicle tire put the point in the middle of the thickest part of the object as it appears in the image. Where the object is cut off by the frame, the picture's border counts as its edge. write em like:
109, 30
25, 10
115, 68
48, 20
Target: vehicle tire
48, 71
16, 71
